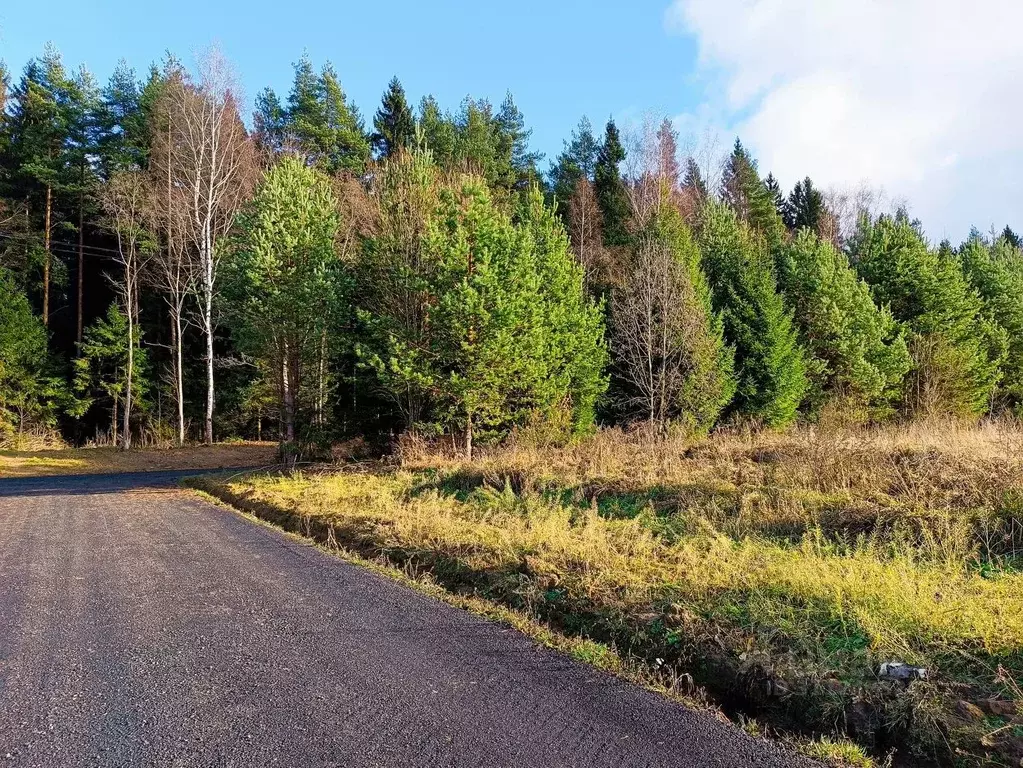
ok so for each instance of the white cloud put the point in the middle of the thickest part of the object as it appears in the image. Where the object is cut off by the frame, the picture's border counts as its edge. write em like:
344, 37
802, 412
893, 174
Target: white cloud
921, 97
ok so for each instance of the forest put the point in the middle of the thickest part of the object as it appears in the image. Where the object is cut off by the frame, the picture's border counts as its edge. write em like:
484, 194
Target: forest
174, 270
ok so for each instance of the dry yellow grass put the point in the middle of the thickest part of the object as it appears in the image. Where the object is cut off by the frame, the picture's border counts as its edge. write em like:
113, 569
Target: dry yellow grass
83, 461
795, 562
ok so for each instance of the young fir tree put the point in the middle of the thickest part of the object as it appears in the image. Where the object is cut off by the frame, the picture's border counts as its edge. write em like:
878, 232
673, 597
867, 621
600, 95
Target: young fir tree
394, 123
771, 366
991, 273
956, 349
858, 348
29, 392
284, 283
101, 368
609, 186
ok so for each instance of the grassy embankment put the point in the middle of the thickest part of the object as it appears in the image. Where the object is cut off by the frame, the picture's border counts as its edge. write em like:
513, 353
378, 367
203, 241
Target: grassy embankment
776, 571
87, 461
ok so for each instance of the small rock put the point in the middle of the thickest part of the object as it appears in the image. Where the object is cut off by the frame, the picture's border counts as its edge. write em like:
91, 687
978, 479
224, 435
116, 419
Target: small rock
998, 707
969, 711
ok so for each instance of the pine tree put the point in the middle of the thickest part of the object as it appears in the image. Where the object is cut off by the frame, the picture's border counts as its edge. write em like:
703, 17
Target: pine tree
394, 122
956, 349
858, 349
771, 366
39, 134
992, 275
570, 326
284, 281
612, 196
577, 161
318, 122
124, 139
438, 130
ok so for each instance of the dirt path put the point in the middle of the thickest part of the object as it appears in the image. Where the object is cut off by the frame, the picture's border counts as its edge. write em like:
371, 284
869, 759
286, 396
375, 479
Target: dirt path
140, 626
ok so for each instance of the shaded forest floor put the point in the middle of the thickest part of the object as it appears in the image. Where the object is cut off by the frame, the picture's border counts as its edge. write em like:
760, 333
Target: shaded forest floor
772, 573
85, 461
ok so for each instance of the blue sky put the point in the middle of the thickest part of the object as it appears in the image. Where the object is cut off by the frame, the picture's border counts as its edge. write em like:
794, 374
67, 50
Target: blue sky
560, 59
914, 100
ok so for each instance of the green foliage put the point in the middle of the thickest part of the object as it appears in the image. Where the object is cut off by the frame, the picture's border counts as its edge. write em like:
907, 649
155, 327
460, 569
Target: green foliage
101, 368
754, 204
859, 349
284, 285
577, 161
317, 122
394, 122
710, 382
475, 323
805, 207
29, 394
957, 350
996, 273
568, 325
770, 363
612, 197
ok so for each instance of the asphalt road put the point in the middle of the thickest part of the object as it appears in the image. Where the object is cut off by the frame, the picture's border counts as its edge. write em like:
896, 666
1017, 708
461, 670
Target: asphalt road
141, 626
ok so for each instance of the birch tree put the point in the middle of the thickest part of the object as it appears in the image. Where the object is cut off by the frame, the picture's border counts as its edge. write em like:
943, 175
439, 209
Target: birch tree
212, 164
125, 203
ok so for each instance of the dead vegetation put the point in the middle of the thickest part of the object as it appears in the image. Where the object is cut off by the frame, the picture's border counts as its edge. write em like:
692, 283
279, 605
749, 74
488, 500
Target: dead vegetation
776, 570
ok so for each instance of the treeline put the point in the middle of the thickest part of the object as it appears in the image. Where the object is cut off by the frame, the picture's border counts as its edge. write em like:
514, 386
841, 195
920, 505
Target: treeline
168, 273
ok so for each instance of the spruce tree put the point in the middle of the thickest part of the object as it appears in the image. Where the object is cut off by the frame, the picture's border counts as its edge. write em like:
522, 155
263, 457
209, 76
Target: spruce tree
394, 123
956, 349
1011, 237
805, 207
744, 192
609, 186
774, 190
771, 365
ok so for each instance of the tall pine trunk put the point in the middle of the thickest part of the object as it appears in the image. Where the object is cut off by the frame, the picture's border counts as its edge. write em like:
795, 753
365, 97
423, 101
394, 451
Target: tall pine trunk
81, 267
46, 257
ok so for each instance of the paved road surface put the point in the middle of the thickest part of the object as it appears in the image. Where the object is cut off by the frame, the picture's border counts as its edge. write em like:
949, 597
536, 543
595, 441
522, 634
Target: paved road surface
140, 626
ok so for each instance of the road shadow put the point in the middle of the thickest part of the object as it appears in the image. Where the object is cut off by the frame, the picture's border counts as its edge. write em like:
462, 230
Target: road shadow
84, 485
